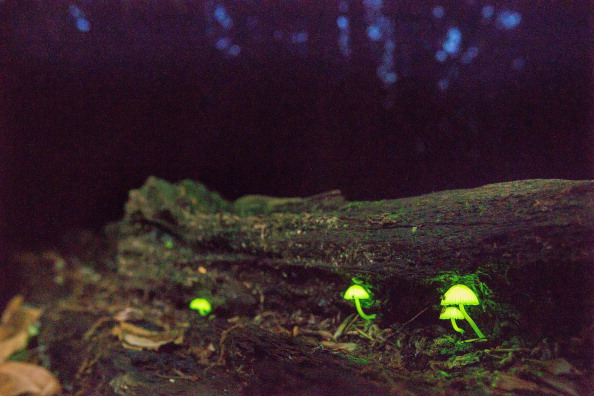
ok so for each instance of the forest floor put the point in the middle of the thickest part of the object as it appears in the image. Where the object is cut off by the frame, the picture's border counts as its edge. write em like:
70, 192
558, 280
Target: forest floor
100, 337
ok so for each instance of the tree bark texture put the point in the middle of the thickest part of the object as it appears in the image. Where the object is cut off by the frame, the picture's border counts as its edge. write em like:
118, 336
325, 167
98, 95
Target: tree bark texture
531, 241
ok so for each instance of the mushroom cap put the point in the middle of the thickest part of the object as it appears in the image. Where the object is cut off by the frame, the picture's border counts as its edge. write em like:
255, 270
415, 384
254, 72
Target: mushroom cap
202, 305
459, 294
450, 313
356, 292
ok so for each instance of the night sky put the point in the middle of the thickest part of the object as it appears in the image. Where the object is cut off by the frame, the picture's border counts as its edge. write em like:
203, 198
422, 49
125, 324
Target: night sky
287, 98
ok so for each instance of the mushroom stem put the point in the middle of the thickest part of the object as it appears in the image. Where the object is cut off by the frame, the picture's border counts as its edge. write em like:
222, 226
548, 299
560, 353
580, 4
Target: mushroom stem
455, 326
360, 310
478, 332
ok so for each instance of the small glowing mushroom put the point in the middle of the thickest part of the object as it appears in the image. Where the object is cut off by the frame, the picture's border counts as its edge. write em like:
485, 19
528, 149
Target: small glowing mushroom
202, 305
357, 293
452, 313
461, 295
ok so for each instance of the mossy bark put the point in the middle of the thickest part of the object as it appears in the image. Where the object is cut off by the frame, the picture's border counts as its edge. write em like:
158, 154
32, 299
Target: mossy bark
531, 240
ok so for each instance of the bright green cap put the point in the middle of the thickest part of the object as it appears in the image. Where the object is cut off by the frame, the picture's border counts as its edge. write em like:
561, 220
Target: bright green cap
356, 292
202, 305
459, 294
450, 313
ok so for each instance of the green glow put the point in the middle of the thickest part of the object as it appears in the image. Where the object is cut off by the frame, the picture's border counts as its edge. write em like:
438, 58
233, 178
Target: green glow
478, 332
462, 295
452, 313
202, 305
455, 326
360, 310
358, 293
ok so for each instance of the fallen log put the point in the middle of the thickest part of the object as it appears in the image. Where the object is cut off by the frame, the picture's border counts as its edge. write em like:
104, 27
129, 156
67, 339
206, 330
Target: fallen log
525, 245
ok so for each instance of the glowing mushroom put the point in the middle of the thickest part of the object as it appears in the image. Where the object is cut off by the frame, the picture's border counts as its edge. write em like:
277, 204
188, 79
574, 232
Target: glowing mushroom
452, 313
461, 295
357, 293
202, 305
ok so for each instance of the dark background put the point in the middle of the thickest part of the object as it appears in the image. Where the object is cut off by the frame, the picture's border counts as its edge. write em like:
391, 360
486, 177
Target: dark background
85, 116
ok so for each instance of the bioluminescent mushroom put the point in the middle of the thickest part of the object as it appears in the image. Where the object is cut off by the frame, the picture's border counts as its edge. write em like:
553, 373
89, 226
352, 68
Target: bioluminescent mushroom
357, 293
461, 295
202, 305
452, 313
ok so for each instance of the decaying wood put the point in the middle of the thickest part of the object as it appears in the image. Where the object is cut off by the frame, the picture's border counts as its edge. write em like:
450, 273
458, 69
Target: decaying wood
521, 223
285, 248
282, 365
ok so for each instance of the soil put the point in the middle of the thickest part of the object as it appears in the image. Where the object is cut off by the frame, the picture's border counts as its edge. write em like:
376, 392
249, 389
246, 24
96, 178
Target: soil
268, 351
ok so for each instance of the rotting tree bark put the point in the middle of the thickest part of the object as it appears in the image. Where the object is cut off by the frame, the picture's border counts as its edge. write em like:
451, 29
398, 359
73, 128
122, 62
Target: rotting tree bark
519, 234
521, 223
289, 366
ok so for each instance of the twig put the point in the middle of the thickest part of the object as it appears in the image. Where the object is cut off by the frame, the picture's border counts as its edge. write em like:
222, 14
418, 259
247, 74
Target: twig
416, 316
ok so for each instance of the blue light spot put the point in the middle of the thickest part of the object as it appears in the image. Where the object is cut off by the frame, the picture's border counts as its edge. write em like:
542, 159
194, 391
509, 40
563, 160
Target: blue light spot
374, 4
508, 20
220, 13
226, 23
83, 25
470, 54
374, 33
75, 12
441, 56
390, 46
438, 12
384, 23
221, 16
222, 43
343, 40
234, 50
453, 40
487, 11
342, 22
299, 37
390, 78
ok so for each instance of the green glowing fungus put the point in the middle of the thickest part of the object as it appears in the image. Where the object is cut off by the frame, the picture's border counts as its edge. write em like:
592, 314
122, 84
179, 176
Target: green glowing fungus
452, 313
202, 305
357, 293
461, 295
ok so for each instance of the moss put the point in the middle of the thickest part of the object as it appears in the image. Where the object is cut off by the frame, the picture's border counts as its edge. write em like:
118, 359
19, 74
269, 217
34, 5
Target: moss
356, 204
449, 345
356, 359
251, 205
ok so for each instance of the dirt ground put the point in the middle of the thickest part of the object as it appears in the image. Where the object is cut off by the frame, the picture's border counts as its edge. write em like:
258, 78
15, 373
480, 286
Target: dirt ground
100, 337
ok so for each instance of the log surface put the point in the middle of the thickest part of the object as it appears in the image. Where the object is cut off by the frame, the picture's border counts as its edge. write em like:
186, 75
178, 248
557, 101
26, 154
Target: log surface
522, 223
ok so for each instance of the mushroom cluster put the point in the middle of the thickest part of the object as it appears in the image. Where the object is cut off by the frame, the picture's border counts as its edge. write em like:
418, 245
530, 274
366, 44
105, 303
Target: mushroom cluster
459, 295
